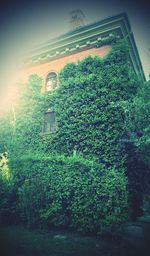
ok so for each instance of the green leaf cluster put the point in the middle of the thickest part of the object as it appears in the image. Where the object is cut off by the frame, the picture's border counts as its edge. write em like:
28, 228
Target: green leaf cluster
70, 192
89, 107
86, 188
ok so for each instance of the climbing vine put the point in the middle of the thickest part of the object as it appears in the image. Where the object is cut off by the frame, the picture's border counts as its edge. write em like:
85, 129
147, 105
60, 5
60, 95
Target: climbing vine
90, 106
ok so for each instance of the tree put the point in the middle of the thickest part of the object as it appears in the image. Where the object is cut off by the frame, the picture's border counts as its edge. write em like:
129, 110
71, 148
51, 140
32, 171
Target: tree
21, 126
142, 120
138, 147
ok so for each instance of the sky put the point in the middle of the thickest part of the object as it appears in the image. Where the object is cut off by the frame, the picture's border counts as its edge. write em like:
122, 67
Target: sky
26, 24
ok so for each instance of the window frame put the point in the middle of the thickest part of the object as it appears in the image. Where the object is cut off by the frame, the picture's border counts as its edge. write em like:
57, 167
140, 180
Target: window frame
51, 73
47, 122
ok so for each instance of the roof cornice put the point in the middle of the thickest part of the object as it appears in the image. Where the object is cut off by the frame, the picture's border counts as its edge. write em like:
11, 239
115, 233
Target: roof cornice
86, 37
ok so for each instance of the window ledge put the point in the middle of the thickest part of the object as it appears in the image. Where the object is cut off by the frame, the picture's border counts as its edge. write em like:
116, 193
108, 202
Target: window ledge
47, 133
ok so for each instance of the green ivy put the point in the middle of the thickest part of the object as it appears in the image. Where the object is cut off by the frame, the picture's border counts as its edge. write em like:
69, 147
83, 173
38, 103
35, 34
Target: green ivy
89, 107
87, 191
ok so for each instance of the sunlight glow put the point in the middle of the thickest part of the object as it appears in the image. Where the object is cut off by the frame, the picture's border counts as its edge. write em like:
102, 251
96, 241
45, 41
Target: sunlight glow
8, 97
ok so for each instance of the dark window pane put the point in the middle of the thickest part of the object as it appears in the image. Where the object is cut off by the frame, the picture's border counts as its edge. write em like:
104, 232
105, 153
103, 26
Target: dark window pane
49, 122
52, 120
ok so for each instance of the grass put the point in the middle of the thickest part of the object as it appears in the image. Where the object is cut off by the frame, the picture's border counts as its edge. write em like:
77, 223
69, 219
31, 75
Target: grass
19, 241
16, 241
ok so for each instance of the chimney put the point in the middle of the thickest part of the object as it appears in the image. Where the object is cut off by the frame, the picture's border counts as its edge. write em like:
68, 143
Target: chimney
77, 19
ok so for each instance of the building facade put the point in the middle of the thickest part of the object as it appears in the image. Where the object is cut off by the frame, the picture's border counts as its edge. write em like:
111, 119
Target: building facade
84, 40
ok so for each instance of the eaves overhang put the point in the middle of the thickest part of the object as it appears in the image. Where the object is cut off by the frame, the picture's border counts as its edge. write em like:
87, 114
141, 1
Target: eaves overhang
87, 37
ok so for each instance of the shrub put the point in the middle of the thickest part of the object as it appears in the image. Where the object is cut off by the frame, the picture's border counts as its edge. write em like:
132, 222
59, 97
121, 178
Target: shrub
70, 192
8, 211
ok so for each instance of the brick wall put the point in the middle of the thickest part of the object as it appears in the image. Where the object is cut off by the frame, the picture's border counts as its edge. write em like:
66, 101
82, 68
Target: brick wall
56, 65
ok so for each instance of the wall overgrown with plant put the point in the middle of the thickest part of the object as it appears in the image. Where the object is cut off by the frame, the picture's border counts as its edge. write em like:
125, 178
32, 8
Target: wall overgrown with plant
90, 107
86, 188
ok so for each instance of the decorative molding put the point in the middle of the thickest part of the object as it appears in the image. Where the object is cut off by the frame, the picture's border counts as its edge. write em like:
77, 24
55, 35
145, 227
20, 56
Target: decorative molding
107, 31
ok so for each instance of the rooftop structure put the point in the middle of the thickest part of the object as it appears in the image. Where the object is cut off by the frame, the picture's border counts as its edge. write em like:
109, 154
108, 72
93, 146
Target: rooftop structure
84, 40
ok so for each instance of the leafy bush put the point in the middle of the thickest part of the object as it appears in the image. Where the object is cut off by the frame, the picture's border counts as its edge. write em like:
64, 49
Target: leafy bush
8, 210
70, 192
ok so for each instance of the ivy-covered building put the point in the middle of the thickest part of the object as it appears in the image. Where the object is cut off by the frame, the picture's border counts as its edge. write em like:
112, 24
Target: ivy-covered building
95, 39
84, 40
67, 143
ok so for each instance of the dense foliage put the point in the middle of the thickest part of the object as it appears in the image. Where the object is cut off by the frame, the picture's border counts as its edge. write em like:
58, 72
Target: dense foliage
138, 148
89, 107
141, 106
86, 188
69, 192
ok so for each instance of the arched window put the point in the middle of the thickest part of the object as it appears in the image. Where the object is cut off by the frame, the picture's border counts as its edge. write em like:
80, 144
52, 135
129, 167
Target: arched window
51, 81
